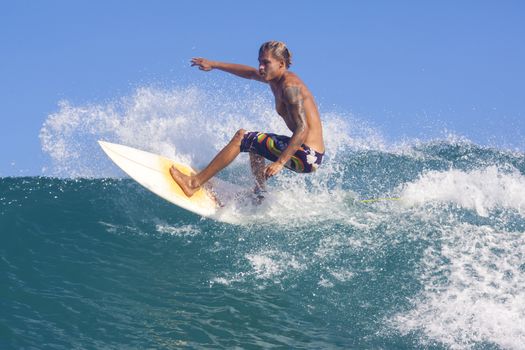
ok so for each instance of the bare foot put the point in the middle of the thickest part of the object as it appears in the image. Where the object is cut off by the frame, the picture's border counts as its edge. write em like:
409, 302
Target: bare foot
184, 181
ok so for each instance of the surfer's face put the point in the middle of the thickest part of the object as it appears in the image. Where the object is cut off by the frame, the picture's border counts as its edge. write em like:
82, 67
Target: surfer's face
269, 66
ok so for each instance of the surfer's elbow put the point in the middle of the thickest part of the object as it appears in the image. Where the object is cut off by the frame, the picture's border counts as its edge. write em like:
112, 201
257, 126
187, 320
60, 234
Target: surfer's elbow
305, 129
302, 131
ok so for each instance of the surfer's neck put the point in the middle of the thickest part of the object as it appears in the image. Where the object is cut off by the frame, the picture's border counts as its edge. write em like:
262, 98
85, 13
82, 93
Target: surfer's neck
278, 80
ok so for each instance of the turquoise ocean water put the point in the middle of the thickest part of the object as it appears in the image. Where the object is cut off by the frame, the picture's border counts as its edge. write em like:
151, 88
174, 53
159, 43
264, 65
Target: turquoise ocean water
90, 260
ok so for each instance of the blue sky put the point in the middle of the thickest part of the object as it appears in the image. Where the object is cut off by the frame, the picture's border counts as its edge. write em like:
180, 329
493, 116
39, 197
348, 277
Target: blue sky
404, 66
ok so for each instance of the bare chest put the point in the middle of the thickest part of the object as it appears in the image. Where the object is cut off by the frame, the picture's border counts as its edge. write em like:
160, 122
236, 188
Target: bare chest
282, 110
280, 107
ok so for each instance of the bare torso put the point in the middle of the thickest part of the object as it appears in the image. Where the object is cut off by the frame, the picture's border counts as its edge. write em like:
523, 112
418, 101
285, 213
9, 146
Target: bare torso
314, 138
293, 102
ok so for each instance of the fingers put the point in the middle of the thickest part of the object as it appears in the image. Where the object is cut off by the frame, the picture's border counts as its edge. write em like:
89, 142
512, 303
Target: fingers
269, 172
272, 170
196, 61
202, 63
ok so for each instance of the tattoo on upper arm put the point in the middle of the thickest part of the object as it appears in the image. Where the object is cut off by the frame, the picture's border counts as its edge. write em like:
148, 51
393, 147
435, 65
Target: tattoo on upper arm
292, 94
295, 105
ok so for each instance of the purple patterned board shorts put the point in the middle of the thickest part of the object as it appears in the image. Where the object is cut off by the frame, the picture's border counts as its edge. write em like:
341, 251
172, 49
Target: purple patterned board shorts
270, 146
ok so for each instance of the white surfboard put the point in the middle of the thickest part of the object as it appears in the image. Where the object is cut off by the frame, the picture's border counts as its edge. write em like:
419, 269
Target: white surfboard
152, 171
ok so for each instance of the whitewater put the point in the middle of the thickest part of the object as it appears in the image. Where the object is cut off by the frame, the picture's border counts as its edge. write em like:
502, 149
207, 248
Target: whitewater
89, 259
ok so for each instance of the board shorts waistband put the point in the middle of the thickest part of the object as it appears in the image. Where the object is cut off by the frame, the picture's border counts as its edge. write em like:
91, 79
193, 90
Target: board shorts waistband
270, 146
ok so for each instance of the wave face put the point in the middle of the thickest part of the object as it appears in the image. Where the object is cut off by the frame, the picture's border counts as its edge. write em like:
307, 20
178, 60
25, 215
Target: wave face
92, 260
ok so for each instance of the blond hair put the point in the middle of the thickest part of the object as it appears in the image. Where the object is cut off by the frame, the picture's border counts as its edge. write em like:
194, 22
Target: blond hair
279, 50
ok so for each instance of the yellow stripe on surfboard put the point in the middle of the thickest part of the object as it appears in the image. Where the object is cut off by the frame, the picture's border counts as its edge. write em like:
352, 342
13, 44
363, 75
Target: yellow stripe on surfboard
200, 197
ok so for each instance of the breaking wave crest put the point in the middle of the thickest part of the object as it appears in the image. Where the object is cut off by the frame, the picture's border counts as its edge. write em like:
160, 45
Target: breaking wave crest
442, 267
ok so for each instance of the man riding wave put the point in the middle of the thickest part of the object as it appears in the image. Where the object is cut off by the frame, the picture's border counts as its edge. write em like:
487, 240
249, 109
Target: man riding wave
302, 152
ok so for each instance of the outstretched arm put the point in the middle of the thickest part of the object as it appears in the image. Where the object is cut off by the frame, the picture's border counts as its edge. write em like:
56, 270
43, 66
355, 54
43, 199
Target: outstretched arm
233, 68
295, 105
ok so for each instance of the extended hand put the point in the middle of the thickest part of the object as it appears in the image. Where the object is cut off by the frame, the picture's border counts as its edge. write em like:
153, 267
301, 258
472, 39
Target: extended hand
272, 169
203, 63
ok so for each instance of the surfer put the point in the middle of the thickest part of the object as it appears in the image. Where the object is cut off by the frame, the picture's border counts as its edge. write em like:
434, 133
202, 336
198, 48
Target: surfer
302, 152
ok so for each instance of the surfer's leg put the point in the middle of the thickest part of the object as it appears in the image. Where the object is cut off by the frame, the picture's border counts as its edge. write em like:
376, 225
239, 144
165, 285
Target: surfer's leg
190, 184
257, 165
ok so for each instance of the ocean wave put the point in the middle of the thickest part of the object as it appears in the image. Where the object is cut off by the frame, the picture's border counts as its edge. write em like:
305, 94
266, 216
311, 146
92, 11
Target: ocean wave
442, 267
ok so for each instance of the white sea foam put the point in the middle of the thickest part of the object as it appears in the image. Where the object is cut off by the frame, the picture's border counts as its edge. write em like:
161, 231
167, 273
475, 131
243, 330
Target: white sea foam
342, 275
183, 231
473, 289
269, 264
473, 277
188, 124
191, 125
333, 244
481, 190
220, 280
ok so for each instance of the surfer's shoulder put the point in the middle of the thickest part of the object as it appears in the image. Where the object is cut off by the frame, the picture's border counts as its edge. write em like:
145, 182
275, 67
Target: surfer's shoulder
291, 79
292, 82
